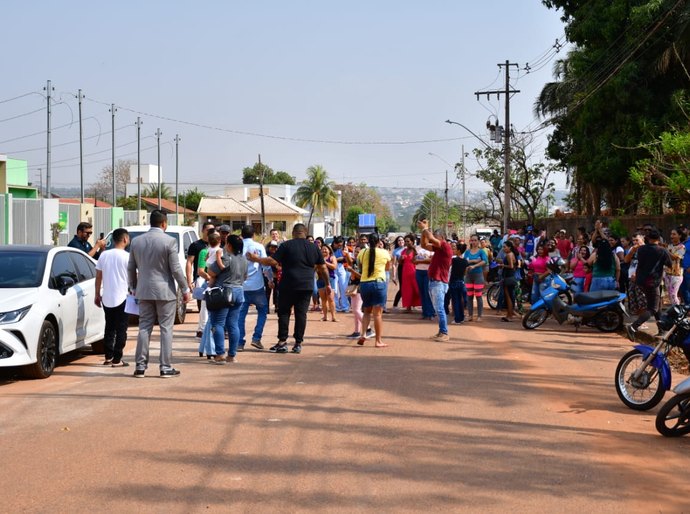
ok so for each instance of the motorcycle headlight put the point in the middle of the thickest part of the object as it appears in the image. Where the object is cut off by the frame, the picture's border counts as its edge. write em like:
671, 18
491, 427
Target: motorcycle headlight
13, 316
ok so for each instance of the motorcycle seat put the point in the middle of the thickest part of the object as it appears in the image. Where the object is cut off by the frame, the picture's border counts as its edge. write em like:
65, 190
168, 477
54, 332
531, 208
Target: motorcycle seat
595, 297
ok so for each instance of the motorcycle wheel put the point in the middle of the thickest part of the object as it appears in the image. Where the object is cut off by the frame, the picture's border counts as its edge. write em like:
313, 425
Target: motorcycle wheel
534, 319
609, 321
673, 419
645, 392
492, 295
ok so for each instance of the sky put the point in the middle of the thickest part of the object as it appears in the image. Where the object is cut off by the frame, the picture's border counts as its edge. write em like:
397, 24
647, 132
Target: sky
300, 83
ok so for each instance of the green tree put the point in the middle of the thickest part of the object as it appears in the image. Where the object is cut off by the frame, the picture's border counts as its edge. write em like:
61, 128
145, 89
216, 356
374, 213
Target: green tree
351, 219
191, 199
152, 191
611, 92
252, 175
128, 203
531, 184
368, 199
316, 192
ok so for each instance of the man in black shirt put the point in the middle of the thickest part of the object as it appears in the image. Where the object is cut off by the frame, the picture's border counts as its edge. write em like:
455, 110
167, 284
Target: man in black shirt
81, 240
193, 267
651, 259
298, 258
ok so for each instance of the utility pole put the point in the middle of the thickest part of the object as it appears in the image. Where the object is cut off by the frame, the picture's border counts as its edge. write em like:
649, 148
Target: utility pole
261, 194
112, 118
40, 181
81, 151
177, 177
158, 140
138, 124
506, 145
49, 88
464, 198
446, 200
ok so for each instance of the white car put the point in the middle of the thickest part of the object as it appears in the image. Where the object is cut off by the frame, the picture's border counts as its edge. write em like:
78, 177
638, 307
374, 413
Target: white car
46, 306
184, 236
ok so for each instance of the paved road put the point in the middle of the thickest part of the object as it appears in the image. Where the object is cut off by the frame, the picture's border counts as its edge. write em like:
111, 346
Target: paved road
498, 419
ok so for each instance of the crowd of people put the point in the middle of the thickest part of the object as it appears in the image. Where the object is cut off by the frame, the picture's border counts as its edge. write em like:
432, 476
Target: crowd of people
438, 277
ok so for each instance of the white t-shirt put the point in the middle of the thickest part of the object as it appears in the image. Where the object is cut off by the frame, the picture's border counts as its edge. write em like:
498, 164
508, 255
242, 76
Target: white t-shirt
113, 265
211, 255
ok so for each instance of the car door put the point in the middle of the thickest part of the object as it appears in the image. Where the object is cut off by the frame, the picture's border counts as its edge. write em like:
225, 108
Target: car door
94, 318
70, 311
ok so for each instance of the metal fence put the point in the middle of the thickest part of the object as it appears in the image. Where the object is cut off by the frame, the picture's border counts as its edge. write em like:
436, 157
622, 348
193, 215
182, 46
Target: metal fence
4, 236
27, 220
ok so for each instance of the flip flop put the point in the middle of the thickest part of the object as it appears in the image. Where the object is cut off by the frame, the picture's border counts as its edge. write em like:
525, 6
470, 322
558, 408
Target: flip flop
361, 340
507, 320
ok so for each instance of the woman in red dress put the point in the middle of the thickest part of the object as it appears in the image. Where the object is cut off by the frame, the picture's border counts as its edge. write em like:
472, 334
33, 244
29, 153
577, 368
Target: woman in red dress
410, 290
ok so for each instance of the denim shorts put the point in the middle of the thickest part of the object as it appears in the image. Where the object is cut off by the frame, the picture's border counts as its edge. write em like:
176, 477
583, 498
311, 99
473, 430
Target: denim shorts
374, 293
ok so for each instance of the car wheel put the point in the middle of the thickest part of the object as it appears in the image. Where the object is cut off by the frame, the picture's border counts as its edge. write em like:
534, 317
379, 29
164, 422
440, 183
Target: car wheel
46, 353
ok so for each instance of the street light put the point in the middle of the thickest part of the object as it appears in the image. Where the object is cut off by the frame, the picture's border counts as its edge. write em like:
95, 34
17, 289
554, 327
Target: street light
506, 187
446, 189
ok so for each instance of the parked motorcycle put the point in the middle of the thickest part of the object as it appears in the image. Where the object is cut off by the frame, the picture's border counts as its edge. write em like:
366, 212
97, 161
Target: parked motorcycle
602, 309
673, 419
643, 375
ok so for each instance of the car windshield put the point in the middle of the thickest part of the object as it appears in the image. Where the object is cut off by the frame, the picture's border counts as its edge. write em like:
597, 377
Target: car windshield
21, 269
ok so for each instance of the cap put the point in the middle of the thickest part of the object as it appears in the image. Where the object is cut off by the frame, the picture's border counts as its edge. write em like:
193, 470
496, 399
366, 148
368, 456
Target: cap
224, 228
273, 243
562, 230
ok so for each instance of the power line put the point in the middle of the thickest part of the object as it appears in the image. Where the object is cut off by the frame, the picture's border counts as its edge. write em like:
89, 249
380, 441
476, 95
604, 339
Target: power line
282, 138
22, 115
26, 150
18, 97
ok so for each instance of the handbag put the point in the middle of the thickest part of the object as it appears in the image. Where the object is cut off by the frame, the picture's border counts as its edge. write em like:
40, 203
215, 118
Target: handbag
218, 298
637, 299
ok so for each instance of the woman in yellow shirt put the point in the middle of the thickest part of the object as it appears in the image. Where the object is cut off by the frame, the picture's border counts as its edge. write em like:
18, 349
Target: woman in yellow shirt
373, 263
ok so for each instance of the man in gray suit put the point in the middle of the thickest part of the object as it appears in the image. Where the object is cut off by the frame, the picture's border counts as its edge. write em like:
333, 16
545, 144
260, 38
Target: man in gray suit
154, 256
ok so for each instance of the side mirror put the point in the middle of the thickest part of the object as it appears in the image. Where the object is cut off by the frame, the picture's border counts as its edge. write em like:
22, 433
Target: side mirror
64, 282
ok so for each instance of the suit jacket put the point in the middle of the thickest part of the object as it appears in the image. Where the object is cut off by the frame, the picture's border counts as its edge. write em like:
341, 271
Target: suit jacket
154, 267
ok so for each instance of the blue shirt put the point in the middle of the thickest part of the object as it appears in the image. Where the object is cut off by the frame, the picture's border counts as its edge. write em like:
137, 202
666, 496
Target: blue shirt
77, 243
255, 277
686, 257
474, 256
338, 254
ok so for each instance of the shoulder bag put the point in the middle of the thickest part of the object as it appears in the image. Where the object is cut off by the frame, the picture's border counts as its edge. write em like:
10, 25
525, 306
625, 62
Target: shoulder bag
218, 298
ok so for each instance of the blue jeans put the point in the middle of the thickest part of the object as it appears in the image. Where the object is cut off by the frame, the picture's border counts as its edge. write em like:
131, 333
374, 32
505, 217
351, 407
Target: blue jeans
342, 303
437, 293
257, 298
602, 284
226, 320
422, 277
458, 293
578, 285
684, 291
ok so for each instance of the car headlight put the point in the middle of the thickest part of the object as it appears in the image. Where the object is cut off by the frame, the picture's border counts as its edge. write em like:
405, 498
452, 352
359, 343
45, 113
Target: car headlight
14, 316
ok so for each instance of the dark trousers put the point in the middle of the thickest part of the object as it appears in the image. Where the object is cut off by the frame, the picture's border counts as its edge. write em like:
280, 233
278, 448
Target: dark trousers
286, 301
115, 336
458, 293
422, 277
398, 295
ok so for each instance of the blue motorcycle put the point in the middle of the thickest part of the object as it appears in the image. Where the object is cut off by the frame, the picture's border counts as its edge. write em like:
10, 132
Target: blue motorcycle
602, 309
643, 375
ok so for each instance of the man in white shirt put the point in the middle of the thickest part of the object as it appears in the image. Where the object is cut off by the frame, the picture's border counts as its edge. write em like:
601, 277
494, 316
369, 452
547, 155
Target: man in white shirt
111, 273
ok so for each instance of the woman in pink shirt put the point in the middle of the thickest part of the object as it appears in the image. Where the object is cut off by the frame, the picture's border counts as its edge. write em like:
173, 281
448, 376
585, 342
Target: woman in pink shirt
539, 271
577, 265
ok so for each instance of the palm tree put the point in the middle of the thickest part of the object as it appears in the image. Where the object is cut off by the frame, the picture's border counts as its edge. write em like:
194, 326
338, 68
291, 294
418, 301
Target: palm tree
317, 192
152, 191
